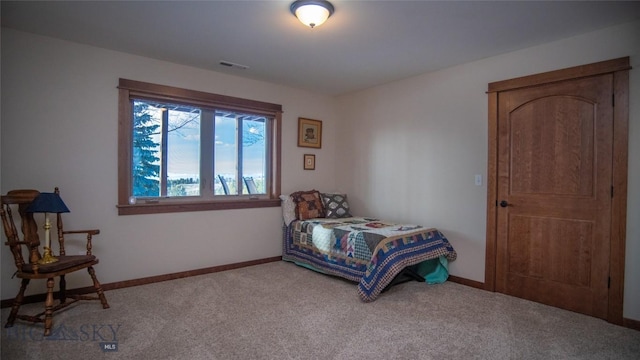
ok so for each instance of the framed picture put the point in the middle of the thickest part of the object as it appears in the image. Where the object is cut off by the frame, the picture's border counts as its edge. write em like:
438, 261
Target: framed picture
309, 133
309, 162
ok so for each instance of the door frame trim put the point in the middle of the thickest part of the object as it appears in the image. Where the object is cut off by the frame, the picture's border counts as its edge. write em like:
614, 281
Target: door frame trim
620, 69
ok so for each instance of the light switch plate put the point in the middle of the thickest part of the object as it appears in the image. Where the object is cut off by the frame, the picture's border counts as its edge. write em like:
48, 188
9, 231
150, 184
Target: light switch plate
478, 180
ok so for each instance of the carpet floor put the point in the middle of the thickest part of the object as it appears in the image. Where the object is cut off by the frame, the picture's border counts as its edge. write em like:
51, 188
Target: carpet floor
282, 311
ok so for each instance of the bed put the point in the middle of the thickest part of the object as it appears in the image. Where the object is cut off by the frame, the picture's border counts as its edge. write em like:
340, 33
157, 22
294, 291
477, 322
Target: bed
320, 233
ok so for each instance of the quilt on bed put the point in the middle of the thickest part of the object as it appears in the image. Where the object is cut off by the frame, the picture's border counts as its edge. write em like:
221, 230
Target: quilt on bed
365, 250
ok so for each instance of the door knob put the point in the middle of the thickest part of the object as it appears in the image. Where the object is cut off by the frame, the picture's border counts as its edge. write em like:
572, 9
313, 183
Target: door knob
504, 203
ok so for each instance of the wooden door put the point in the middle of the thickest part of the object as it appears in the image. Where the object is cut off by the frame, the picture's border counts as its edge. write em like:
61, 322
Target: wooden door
550, 242
554, 191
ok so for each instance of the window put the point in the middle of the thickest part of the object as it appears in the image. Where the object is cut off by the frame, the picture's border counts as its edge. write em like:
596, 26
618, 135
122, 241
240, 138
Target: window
184, 150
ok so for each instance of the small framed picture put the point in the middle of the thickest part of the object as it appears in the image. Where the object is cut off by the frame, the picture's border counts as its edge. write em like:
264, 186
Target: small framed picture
309, 133
309, 162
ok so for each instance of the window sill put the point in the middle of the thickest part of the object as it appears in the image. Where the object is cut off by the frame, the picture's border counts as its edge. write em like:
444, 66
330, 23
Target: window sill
171, 207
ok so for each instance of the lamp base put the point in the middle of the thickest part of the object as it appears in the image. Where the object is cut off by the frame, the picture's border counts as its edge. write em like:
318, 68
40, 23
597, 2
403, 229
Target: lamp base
47, 258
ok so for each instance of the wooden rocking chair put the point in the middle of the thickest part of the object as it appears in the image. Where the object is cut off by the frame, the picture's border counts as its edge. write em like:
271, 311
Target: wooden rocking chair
37, 267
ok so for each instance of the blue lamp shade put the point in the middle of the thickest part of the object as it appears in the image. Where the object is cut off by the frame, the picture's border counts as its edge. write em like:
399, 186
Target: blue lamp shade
48, 203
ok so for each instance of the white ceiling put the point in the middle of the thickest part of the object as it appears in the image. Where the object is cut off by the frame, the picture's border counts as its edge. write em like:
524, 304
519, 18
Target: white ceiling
364, 43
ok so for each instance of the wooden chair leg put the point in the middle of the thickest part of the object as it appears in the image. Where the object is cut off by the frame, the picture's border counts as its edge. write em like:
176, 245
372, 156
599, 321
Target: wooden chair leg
16, 303
98, 287
63, 289
48, 305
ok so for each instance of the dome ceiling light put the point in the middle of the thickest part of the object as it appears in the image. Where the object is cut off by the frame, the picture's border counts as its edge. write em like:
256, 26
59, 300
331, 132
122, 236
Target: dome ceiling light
312, 12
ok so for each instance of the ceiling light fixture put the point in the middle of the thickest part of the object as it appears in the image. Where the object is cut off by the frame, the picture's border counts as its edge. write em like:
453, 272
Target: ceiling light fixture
312, 12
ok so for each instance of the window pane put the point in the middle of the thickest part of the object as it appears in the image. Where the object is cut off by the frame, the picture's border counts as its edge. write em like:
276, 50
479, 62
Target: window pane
254, 152
225, 151
147, 122
166, 150
183, 152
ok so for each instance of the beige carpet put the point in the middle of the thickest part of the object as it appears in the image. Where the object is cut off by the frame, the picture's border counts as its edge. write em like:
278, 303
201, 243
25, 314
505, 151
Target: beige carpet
281, 311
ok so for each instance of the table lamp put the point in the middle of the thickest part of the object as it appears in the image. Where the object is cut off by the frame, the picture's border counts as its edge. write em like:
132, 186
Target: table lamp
47, 203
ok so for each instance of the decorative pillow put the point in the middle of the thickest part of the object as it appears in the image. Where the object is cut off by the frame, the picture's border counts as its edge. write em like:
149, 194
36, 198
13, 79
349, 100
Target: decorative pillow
288, 209
336, 205
308, 204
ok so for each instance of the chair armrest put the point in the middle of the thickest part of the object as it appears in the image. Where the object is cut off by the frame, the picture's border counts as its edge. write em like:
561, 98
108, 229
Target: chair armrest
89, 232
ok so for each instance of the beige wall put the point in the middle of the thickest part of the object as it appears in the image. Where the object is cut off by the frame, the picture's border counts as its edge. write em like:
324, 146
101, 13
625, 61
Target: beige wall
412, 147
405, 151
59, 128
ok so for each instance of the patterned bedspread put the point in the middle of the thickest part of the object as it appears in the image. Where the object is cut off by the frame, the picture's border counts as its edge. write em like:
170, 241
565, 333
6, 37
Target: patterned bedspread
365, 250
